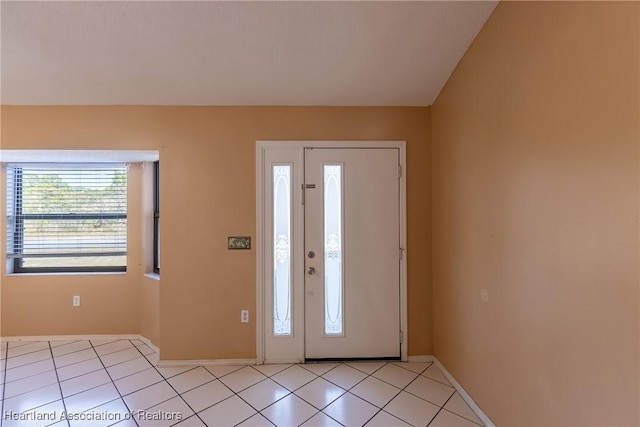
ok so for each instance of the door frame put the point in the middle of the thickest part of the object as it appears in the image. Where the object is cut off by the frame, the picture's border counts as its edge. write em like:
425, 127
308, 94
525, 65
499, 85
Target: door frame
261, 240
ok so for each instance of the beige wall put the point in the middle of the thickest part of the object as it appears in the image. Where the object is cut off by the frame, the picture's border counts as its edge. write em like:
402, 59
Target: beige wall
535, 198
208, 193
148, 307
34, 304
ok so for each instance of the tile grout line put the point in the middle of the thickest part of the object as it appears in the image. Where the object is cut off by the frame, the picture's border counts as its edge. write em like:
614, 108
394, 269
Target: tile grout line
34, 390
42, 350
114, 386
272, 403
317, 411
440, 410
81, 375
368, 375
294, 391
31, 376
227, 398
419, 373
321, 411
461, 416
254, 408
103, 367
291, 392
4, 382
25, 344
97, 370
396, 395
390, 400
31, 363
447, 383
47, 348
166, 380
440, 407
64, 405
447, 401
261, 381
427, 400
348, 391
338, 385
118, 379
266, 378
39, 361
364, 400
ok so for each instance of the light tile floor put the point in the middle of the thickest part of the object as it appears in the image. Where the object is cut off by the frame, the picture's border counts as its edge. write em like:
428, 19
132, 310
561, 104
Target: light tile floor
116, 382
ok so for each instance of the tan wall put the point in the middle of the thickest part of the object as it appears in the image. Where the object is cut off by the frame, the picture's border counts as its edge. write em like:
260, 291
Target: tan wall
149, 310
535, 198
148, 307
34, 304
208, 193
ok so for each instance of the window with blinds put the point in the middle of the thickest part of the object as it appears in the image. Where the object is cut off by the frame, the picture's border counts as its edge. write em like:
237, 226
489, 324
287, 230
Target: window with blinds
64, 218
156, 217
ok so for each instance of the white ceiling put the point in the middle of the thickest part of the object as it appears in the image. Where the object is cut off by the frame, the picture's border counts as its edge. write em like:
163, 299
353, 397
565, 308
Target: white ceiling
335, 53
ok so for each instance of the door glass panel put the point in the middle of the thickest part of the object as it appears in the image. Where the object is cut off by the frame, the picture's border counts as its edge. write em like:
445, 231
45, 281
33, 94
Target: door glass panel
333, 301
282, 250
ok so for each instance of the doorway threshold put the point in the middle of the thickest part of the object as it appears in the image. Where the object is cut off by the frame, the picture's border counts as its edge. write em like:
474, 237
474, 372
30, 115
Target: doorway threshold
352, 359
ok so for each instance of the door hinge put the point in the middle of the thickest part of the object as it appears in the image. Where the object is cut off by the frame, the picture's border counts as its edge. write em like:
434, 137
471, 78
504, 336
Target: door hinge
401, 252
302, 188
401, 337
399, 171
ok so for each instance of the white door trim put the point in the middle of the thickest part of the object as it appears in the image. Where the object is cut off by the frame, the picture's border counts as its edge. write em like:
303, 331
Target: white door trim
261, 148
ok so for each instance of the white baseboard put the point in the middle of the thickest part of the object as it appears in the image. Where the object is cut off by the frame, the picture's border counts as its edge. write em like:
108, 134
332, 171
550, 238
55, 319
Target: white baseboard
201, 362
73, 338
206, 362
148, 342
145, 340
420, 359
465, 396
281, 362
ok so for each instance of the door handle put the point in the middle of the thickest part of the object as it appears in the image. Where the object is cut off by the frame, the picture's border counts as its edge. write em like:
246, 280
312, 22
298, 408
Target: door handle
311, 270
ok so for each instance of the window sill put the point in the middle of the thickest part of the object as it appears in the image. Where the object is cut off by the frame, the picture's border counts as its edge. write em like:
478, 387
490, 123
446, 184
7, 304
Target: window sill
71, 273
153, 276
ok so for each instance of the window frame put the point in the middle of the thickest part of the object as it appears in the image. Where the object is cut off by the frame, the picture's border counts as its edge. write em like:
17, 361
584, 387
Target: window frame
156, 217
17, 231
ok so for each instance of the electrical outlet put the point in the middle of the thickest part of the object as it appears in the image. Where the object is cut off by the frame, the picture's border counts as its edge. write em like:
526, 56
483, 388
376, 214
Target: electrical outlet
244, 316
484, 295
76, 300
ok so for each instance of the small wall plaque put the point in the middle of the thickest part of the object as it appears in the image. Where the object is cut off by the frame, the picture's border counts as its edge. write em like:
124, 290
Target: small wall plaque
239, 242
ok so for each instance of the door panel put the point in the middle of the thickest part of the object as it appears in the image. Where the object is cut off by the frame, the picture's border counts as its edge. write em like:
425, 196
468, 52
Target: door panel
352, 227
282, 266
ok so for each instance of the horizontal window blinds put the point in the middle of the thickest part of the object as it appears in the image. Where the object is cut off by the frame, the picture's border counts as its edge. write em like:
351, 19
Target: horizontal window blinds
67, 216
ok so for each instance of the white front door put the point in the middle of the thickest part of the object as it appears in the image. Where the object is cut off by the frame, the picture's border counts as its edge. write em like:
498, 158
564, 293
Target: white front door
352, 253
352, 217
